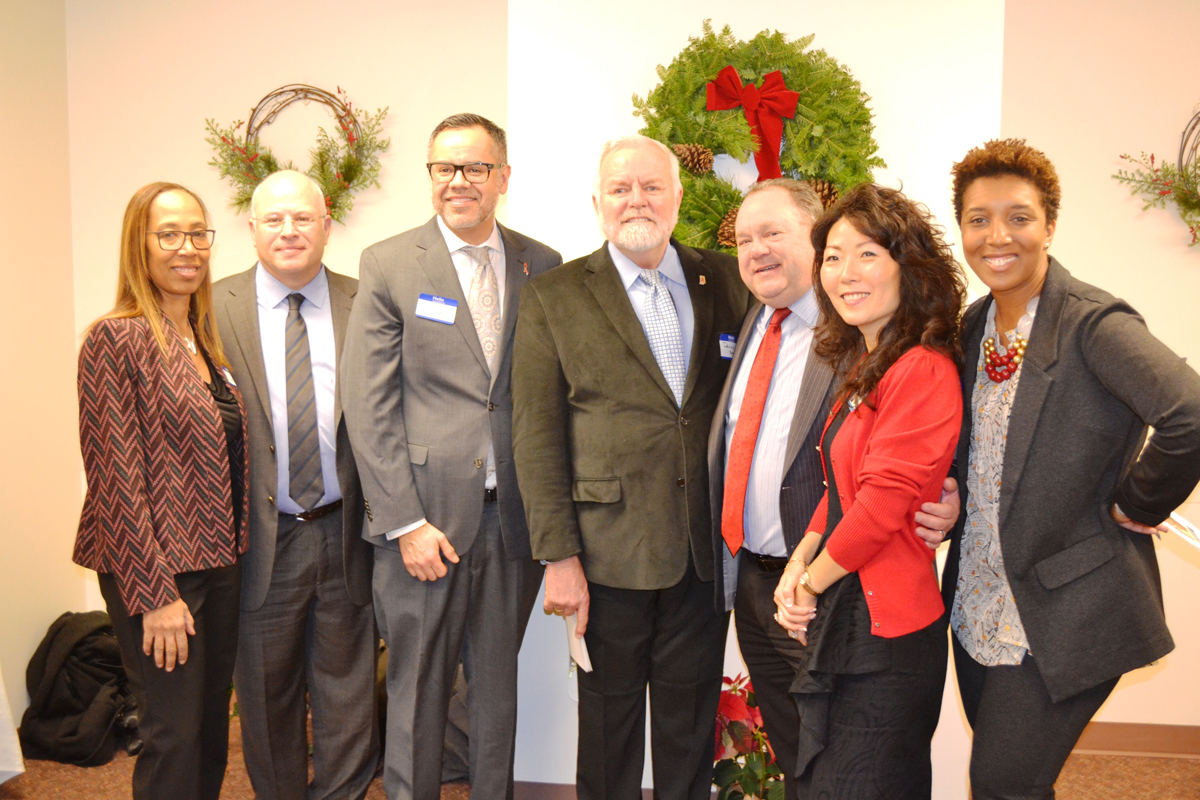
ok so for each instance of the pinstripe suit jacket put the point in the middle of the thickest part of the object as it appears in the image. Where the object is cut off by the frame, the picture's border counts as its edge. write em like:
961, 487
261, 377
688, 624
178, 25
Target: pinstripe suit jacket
801, 489
159, 500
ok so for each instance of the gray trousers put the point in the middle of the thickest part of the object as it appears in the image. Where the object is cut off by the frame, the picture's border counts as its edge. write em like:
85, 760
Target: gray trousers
310, 639
477, 612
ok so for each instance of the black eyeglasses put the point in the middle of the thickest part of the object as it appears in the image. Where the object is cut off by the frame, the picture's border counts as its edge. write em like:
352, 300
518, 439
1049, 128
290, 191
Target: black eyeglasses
173, 240
475, 172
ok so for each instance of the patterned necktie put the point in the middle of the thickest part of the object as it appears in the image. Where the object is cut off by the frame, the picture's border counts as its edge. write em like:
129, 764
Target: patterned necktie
663, 332
484, 300
745, 436
306, 485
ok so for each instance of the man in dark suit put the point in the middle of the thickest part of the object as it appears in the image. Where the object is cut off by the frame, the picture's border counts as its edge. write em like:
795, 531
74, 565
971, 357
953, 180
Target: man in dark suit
765, 471
306, 625
617, 368
429, 410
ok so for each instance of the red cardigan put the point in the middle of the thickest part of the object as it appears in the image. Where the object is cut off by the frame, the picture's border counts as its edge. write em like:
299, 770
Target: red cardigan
887, 462
159, 500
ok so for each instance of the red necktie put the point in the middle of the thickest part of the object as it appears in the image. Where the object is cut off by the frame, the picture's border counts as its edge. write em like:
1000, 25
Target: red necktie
745, 436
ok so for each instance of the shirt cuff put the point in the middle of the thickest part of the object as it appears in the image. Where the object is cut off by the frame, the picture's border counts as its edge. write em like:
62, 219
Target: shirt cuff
396, 534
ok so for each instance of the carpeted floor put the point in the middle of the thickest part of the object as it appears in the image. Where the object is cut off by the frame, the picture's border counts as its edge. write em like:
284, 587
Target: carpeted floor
1086, 777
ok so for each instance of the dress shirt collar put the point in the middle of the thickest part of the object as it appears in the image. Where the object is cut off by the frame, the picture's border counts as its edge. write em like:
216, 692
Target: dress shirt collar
670, 267
805, 310
454, 243
271, 291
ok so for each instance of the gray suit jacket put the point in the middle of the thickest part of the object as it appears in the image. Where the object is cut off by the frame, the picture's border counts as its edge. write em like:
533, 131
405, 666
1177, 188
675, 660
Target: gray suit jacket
610, 467
236, 305
420, 405
1088, 590
812, 409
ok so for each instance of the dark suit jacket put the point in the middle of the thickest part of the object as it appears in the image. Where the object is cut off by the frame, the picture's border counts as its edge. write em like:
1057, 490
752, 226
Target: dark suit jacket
610, 467
1088, 590
420, 404
236, 304
802, 485
159, 499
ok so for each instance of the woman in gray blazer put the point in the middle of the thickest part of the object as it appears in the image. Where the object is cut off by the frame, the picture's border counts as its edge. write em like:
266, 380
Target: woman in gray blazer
1051, 581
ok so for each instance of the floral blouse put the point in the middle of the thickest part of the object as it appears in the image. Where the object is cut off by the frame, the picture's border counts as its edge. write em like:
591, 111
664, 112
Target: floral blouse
984, 616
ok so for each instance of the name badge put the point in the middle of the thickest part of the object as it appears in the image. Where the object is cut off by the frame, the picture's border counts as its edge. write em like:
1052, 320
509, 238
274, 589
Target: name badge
438, 309
228, 377
728, 342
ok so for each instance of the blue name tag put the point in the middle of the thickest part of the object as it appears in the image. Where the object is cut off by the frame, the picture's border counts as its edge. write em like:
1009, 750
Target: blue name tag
438, 309
728, 342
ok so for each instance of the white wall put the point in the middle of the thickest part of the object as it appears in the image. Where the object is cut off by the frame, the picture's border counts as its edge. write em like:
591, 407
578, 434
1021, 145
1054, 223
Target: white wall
1084, 99
39, 450
572, 71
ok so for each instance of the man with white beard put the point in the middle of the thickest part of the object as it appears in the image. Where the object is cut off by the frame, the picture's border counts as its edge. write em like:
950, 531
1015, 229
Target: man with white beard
618, 363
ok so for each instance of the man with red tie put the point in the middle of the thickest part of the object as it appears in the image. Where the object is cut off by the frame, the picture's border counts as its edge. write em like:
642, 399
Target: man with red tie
764, 470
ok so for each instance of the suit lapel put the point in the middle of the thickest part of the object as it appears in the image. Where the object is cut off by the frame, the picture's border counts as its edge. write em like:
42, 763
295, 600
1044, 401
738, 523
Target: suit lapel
341, 299
516, 272
702, 312
1034, 384
435, 260
604, 282
242, 307
814, 386
735, 364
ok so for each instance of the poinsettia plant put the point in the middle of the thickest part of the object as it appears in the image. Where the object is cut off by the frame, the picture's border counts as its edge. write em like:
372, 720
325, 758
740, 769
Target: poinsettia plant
744, 763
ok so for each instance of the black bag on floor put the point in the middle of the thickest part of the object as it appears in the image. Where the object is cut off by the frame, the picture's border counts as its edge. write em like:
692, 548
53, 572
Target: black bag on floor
79, 694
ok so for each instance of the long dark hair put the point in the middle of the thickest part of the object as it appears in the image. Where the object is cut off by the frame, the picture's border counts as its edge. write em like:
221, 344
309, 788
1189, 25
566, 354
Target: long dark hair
932, 288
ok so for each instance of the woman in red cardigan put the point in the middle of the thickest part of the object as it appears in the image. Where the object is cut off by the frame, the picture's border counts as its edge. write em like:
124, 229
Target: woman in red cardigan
860, 590
161, 427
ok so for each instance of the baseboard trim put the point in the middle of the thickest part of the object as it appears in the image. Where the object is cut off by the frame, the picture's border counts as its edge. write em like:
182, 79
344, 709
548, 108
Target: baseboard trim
527, 790
1132, 738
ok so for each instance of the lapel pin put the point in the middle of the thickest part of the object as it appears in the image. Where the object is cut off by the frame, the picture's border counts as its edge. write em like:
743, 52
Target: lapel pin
525, 265
701, 280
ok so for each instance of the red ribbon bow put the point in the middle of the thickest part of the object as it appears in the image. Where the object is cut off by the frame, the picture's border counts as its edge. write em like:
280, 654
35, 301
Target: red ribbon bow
765, 109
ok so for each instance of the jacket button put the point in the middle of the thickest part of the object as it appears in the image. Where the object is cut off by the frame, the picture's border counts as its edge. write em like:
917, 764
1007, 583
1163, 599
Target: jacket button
680, 483
491, 406
876, 624
478, 463
270, 499
825, 484
272, 448
870, 594
683, 421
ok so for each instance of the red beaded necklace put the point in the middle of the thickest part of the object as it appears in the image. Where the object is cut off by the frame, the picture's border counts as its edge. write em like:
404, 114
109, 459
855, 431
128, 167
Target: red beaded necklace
1002, 367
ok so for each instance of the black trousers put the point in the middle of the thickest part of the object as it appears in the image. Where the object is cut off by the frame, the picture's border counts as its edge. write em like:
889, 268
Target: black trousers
772, 658
184, 714
1022, 737
673, 640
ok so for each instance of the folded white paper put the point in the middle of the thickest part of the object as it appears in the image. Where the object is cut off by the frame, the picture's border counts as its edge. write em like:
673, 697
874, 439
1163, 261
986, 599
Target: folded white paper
577, 645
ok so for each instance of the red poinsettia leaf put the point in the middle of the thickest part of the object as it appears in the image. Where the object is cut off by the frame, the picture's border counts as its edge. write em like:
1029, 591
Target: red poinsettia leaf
733, 707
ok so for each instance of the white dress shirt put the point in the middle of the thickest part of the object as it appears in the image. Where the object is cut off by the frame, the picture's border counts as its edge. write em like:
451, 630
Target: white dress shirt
763, 527
672, 270
318, 319
465, 266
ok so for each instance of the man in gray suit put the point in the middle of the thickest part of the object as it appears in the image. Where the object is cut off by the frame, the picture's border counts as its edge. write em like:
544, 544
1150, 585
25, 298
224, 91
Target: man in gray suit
618, 364
764, 468
429, 409
306, 625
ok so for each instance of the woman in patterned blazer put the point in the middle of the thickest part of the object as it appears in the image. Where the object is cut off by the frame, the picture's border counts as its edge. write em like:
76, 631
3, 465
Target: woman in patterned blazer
161, 427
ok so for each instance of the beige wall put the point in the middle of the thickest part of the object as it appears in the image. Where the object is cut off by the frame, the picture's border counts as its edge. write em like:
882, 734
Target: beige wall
39, 449
1087, 80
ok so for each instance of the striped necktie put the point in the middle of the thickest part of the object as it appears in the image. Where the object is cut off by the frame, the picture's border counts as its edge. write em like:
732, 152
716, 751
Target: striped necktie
306, 485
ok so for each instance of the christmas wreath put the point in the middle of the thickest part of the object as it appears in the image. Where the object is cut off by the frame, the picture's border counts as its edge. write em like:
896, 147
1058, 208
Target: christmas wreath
343, 164
800, 113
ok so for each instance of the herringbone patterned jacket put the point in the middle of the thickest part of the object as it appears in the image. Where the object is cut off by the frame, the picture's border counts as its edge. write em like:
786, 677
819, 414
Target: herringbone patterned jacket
159, 497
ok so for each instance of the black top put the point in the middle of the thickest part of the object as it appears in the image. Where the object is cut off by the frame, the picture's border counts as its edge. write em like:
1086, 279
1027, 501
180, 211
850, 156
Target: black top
231, 417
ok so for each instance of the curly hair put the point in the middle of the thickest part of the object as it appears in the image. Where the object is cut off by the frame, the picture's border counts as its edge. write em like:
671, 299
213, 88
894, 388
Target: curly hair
1000, 157
932, 288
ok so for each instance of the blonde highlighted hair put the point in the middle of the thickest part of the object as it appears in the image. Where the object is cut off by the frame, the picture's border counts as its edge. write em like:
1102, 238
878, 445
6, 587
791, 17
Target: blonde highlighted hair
137, 296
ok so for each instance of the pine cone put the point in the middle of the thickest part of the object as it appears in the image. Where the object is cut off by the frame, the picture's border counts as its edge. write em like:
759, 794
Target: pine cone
725, 234
825, 190
695, 157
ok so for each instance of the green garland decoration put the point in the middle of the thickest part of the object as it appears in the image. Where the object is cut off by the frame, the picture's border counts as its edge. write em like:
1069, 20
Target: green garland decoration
829, 139
342, 164
1163, 183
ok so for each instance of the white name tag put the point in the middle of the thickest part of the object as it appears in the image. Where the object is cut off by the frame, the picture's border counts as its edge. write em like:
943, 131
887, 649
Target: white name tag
438, 309
228, 377
728, 342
